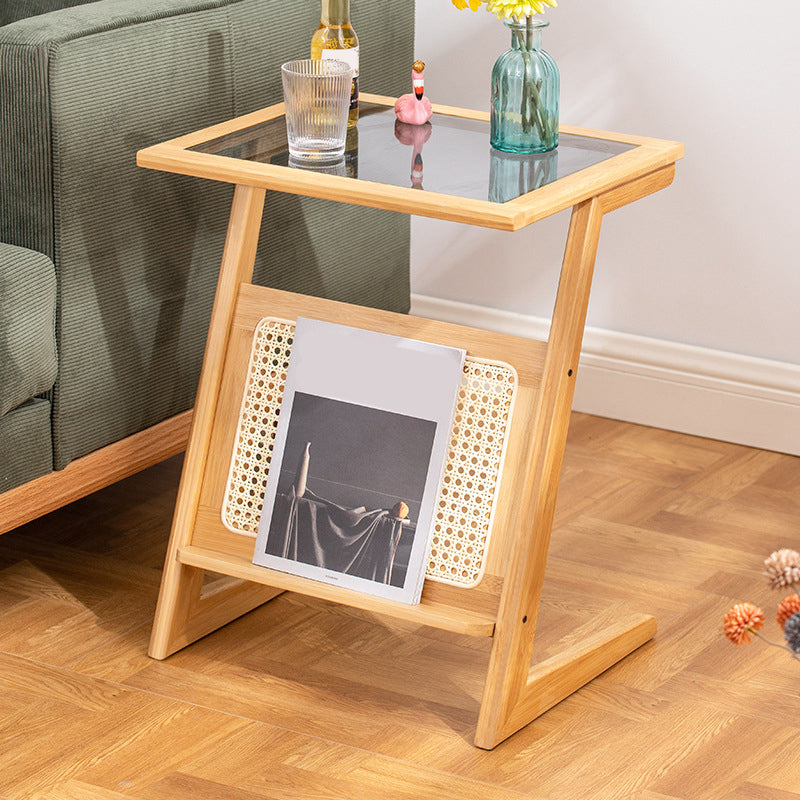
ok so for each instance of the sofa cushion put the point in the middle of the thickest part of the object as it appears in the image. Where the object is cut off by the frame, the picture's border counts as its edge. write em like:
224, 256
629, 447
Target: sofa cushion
27, 326
25, 444
21, 9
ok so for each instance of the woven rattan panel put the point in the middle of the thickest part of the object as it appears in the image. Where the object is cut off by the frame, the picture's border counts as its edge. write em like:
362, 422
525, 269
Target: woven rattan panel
472, 472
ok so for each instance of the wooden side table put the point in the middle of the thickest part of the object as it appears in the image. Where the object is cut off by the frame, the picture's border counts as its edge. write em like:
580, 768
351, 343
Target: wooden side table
464, 181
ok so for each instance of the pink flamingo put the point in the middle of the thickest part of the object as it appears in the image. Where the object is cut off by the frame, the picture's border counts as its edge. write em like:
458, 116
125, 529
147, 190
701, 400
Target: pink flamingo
414, 109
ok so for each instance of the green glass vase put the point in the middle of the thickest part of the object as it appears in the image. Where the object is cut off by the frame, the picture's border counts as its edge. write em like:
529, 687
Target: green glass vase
525, 88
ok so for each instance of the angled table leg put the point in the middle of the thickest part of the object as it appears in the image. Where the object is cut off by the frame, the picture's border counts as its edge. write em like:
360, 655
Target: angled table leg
184, 612
514, 694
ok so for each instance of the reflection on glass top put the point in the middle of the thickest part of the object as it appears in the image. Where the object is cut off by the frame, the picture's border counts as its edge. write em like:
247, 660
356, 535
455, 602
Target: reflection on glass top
448, 155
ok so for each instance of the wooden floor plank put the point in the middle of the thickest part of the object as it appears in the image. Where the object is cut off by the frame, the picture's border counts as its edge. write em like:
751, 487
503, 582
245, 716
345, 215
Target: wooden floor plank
304, 699
77, 790
754, 791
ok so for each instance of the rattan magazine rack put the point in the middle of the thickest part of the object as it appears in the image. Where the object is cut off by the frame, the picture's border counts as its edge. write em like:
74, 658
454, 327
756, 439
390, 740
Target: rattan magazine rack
497, 594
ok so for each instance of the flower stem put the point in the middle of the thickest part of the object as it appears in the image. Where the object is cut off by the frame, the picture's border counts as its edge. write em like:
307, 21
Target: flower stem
535, 96
775, 644
531, 101
525, 99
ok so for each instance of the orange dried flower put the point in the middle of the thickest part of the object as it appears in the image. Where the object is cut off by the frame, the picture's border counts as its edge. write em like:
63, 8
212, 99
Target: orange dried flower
788, 608
742, 619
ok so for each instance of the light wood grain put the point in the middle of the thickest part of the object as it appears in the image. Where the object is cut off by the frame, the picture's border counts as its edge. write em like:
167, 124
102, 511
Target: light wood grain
435, 614
303, 698
94, 471
441, 603
647, 156
550, 681
179, 599
525, 355
519, 543
638, 188
170, 158
540, 463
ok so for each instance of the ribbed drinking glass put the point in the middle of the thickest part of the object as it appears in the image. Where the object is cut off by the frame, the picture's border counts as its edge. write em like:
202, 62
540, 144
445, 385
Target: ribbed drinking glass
317, 97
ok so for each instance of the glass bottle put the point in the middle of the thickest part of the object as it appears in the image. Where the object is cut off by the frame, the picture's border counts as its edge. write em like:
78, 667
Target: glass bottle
525, 88
335, 38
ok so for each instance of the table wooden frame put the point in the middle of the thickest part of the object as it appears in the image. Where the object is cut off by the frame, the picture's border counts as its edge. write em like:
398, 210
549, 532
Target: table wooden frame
506, 602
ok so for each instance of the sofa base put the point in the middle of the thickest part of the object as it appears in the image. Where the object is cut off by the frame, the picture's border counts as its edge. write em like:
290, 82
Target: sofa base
94, 471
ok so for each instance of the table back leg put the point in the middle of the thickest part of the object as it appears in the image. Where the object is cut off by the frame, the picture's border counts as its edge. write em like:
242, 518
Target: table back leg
182, 614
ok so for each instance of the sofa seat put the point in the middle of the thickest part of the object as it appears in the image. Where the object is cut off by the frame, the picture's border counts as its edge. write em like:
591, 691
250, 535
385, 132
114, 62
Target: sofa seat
27, 363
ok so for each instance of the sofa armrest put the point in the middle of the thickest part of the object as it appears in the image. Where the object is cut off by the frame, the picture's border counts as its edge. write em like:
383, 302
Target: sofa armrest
27, 325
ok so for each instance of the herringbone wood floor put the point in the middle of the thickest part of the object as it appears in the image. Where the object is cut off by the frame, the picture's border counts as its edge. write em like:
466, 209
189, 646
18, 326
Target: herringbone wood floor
301, 699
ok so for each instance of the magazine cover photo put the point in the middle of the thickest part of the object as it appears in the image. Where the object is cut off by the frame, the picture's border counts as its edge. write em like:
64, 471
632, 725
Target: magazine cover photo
362, 436
350, 488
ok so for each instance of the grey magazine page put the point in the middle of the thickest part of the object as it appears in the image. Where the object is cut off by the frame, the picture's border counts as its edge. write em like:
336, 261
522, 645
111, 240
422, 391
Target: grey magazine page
363, 435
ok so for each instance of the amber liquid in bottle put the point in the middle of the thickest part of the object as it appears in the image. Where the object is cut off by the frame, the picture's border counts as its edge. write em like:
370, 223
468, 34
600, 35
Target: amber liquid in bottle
335, 38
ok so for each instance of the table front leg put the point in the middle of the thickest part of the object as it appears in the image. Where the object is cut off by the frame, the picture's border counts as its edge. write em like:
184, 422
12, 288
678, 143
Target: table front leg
184, 613
514, 693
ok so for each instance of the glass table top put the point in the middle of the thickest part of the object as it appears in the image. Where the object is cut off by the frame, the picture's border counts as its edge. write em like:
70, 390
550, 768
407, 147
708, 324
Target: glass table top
449, 155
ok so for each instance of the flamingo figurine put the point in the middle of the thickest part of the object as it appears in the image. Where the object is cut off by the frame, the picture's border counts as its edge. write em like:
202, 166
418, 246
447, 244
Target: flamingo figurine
414, 109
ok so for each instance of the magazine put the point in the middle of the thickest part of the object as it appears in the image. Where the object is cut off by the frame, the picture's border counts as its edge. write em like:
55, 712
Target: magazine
360, 448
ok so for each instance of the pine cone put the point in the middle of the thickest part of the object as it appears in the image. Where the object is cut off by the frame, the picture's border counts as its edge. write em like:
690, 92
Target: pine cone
791, 632
788, 607
782, 568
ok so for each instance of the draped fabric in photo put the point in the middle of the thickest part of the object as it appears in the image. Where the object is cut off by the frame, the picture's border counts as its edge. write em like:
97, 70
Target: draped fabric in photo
354, 541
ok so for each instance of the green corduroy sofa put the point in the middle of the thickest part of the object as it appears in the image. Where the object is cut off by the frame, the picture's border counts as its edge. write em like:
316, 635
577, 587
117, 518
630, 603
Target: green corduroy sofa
107, 271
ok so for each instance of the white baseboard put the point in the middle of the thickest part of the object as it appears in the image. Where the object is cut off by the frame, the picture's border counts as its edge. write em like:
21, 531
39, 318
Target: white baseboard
709, 393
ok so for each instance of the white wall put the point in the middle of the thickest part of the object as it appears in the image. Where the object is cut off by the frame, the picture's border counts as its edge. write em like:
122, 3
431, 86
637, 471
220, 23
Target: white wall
710, 262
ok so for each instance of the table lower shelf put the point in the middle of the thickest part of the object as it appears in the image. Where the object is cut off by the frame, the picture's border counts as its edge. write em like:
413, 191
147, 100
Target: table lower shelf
428, 612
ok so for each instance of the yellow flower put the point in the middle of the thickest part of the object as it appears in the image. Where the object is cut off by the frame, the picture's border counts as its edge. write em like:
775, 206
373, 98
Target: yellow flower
504, 9
510, 8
